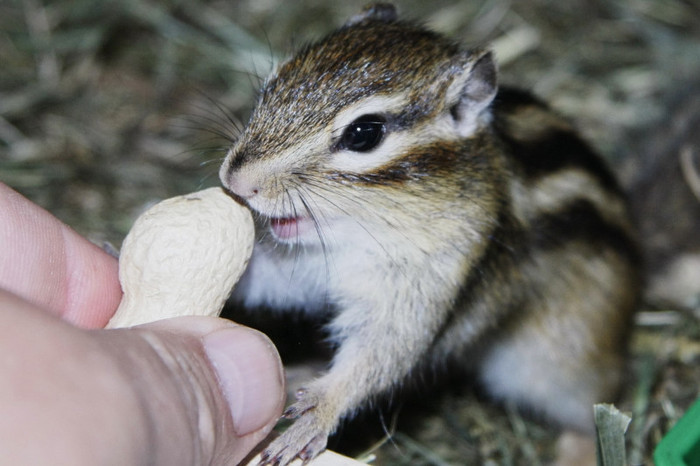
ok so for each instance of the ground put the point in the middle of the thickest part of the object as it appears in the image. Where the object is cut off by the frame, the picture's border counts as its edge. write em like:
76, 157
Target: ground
107, 107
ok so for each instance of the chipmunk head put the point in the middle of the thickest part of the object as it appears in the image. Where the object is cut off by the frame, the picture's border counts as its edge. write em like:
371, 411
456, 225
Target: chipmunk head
362, 108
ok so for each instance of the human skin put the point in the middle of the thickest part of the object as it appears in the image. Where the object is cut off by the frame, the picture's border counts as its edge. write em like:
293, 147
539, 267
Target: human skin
191, 390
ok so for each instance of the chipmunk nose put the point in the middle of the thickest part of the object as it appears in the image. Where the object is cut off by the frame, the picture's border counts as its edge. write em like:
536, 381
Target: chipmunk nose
238, 182
242, 187
237, 177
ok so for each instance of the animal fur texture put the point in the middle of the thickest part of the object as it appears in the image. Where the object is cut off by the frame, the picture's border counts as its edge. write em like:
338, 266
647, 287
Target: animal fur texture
429, 216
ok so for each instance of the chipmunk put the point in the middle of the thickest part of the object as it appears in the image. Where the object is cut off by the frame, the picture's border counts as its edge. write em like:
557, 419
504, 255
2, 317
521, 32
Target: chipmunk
428, 216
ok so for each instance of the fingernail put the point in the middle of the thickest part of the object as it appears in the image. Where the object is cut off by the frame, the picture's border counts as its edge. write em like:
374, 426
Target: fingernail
250, 375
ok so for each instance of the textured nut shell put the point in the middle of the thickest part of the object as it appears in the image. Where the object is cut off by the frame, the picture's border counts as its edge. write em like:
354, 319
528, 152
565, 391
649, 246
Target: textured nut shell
327, 458
182, 257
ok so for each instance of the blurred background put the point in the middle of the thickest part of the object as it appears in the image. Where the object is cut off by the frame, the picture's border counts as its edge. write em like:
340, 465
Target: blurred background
109, 106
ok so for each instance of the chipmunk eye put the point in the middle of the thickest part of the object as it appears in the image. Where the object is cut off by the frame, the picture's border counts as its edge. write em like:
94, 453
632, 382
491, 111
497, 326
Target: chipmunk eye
363, 134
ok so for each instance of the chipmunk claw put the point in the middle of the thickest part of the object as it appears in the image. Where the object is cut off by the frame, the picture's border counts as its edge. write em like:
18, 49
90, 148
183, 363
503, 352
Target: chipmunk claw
306, 402
304, 439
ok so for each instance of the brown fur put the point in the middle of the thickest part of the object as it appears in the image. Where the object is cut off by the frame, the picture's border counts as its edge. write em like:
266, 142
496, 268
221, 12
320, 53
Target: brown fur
481, 229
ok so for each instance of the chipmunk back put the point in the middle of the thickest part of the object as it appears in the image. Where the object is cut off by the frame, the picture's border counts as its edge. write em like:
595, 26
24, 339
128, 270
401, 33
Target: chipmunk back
427, 216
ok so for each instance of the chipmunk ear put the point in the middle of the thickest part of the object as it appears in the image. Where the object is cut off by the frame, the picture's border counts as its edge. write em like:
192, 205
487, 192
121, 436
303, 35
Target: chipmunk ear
375, 11
473, 90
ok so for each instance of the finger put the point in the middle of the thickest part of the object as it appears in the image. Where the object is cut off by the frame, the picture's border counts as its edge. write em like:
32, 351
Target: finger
231, 375
189, 391
49, 264
242, 358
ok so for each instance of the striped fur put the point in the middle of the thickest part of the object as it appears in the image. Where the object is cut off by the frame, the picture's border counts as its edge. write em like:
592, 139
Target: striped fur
481, 230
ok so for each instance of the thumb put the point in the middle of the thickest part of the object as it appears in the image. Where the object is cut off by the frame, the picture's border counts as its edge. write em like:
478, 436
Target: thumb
211, 389
191, 390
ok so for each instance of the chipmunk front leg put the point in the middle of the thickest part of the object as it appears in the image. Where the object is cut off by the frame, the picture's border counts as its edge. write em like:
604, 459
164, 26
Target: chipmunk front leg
375, 354
317, 411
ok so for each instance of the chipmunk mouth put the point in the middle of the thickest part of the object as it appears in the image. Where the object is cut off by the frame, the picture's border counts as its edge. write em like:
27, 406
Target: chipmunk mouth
288, 228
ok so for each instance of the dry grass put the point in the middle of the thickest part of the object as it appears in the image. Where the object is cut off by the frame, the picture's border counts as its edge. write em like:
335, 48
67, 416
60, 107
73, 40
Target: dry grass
108, 106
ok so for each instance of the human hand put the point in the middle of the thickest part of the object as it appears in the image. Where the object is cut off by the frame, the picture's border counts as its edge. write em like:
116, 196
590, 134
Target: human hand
191, 390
